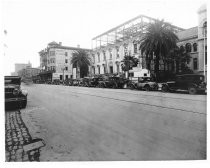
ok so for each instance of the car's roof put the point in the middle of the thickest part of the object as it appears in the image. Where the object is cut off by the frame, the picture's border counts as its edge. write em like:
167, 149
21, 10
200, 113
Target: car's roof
17, 77
190, 75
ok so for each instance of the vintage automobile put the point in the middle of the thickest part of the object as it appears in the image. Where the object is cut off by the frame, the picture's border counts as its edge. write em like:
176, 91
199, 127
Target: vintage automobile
193, 83
56, 82
68, 82
112, 82
14, 95
143, 83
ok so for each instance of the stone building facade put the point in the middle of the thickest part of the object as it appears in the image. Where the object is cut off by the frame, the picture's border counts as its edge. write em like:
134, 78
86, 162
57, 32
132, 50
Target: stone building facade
111, 47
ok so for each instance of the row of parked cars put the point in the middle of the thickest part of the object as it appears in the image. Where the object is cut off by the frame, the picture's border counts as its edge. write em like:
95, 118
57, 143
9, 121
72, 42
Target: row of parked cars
192, 83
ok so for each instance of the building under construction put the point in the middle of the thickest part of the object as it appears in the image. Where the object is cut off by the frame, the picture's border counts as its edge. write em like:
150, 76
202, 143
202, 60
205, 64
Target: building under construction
109, 48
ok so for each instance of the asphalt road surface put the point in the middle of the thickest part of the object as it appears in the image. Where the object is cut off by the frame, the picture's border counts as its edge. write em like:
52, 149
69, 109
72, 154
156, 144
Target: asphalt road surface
95, 124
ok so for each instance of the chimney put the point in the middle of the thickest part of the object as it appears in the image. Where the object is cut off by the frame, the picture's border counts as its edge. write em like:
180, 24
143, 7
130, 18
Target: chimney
78, 46
60, 43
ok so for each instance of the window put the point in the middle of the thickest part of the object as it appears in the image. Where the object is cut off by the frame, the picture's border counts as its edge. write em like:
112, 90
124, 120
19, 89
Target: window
61, 77
98, 69
52, 53
118, 53
135, 48
188, 47
67, 76
98, 57
66, 68
181, 48
118, 68
195, 47
205, 29
131, 74
104, 55
93, 56
66, 61
110, 54
111, 69
93, 70
66, 53
195, 63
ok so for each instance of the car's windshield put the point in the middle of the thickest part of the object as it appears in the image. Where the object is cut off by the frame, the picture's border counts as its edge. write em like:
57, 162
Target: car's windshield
15, 81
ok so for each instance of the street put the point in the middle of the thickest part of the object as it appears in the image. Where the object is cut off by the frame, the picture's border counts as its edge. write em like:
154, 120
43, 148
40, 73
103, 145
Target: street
95, 124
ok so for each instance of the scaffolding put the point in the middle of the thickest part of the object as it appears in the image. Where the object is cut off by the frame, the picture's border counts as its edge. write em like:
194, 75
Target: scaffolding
130, 29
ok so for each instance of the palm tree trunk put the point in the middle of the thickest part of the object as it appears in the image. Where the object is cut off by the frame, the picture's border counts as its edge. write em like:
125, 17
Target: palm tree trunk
78, 71
157, 67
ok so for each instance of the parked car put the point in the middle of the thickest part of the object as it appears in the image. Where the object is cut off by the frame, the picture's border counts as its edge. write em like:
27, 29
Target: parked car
86, 81
143, 83
14, 95
56, 82
76, 82
68, 82
112, 82
193, 83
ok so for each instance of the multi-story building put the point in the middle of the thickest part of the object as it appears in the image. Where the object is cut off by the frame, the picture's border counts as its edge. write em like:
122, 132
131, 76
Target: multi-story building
20, 66
109, 48
202, 39
55, 61
194, 40
28, 73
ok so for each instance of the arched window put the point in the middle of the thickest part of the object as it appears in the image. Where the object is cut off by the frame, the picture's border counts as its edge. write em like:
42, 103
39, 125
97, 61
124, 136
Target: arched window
195, 47
93, 56
181, 48
205, 29
188, 47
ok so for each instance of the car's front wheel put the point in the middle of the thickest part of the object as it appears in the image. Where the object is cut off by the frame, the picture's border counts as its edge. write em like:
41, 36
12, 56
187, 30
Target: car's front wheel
164, 88
192, 90
130, 86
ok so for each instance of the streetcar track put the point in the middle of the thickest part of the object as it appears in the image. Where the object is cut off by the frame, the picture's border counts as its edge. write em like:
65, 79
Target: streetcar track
151, 95
147, 104
129, 101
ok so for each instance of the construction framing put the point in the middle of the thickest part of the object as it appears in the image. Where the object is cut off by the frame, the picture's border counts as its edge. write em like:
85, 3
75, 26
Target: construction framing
132, 28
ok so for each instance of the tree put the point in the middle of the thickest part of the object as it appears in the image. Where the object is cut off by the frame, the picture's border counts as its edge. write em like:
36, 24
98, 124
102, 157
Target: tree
158, 40
81, 61
129, 62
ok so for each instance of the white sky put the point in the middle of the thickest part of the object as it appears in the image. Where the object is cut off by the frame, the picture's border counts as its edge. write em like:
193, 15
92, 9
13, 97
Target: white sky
32, 24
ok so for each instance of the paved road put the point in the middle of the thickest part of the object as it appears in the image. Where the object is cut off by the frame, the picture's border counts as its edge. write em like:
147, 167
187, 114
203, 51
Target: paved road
79, 123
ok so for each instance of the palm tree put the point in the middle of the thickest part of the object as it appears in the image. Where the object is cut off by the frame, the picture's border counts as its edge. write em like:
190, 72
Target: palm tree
128, 63
81, 61
158, 40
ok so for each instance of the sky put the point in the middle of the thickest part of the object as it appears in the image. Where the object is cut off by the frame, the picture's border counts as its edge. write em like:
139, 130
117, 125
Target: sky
32, 24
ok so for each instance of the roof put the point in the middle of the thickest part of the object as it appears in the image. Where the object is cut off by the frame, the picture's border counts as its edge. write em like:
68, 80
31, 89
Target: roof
188, 33
130, 21
70, 48
53, 43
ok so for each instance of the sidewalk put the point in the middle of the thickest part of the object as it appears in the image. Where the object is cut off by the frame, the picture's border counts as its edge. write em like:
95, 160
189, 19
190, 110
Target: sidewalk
18, 139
